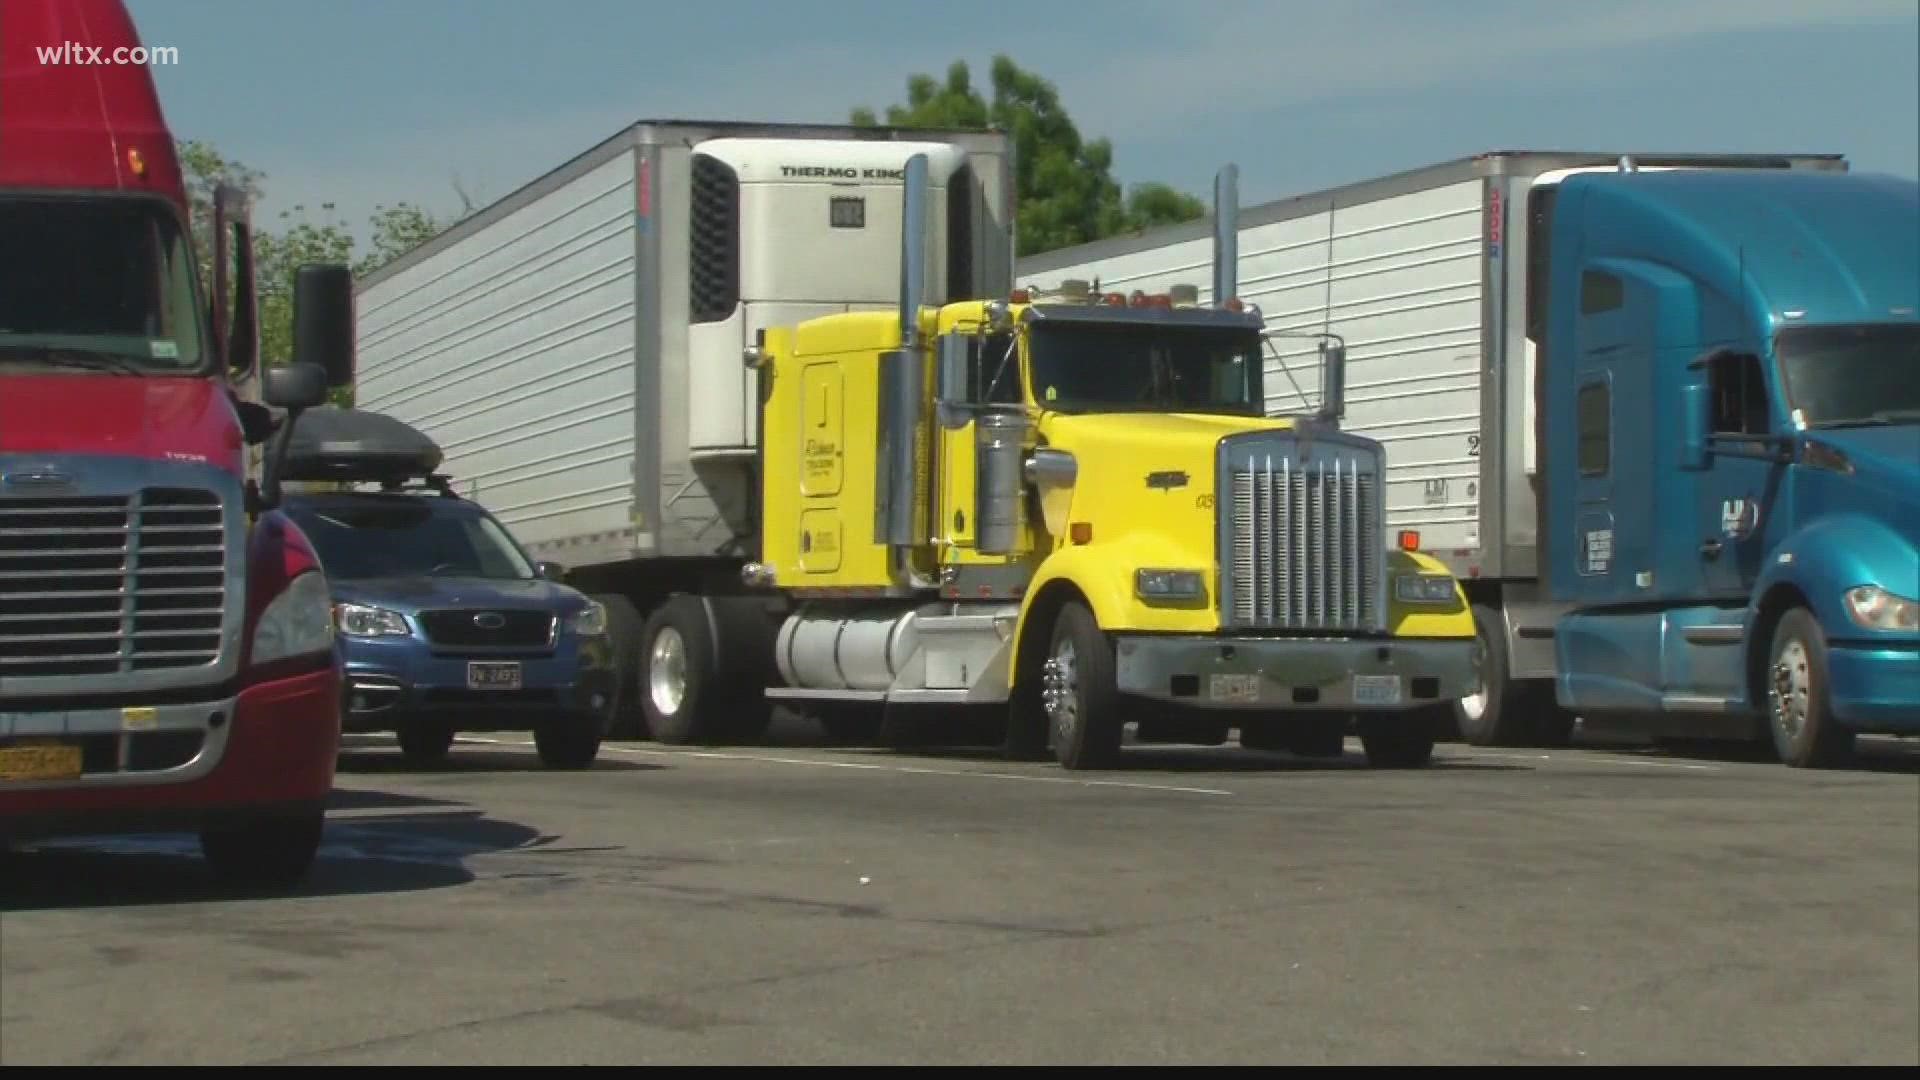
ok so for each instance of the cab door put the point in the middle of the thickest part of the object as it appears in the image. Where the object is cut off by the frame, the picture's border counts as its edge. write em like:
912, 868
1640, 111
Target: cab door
974, 371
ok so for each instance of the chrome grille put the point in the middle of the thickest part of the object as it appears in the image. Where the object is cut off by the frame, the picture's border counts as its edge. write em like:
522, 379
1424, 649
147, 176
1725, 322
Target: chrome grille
101, 585
1302, 547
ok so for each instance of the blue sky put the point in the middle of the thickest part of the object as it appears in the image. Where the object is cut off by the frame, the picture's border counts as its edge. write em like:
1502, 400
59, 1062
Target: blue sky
361, 102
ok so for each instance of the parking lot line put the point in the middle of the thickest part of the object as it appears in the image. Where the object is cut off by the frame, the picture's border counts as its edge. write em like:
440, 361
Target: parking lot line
872, 766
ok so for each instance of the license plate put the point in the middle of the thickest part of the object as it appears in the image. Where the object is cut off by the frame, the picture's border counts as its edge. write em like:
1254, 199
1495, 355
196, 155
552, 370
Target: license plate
39, 763
493, 675
1234, 688
1376, 689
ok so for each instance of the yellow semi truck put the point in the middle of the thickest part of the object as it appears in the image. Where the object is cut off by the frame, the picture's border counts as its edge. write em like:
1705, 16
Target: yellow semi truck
1067, 508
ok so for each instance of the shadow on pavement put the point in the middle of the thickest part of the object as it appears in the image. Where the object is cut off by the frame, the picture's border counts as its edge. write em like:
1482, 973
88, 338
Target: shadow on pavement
414, 848
374, 758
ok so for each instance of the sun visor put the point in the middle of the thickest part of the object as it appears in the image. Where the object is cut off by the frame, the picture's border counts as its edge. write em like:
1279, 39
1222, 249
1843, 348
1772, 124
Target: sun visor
352, 445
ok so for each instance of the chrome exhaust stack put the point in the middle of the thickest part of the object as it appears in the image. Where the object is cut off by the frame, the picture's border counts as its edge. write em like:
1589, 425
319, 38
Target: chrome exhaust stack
1226, 234
897, 509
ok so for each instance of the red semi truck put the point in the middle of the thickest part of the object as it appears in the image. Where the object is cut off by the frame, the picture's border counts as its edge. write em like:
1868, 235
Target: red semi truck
167, 655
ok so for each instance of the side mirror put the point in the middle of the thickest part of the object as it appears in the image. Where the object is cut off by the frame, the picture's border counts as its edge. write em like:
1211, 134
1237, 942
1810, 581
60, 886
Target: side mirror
1696, 403
323, 320
1333, 380
552, 571
294, 386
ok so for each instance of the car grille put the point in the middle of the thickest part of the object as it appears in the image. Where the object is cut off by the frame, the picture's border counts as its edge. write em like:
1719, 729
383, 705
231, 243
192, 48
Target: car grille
1301, 540
517, 629
100, 585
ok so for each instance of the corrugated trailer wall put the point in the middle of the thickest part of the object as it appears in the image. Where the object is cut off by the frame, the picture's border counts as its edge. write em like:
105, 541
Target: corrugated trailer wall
513, 348
1397, 270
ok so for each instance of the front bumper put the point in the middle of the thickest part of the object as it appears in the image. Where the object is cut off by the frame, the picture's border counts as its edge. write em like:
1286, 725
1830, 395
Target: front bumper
271, 748
1876, 690
391, 684
1298, 673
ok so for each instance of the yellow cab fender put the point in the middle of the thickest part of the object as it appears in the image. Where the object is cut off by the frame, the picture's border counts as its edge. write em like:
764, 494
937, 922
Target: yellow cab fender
1101, 575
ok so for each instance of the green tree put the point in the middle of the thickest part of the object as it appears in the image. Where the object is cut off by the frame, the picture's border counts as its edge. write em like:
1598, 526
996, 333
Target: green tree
1064, 182
300, 238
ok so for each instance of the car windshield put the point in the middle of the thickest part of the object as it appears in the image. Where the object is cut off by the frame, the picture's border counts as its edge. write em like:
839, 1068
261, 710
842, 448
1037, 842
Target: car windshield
357, 543
1847, 376
1141, 367
103, 284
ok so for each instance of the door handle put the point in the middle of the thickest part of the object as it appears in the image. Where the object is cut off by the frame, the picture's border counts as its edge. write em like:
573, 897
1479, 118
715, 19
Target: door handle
1710, 548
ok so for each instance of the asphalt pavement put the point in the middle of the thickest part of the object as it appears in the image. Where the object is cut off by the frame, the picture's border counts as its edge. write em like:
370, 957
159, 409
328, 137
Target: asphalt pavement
796, 904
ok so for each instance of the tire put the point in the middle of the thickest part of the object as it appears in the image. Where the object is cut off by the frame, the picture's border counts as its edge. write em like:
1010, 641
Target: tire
1799, 703
1402, 740
1317, 735
570, 743
625, 625
1080, 692
677, 680
272, 850
1506, 712
425, 742
694, 693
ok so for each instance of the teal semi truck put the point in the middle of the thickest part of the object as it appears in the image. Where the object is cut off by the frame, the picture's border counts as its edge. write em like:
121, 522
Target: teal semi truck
1730, 430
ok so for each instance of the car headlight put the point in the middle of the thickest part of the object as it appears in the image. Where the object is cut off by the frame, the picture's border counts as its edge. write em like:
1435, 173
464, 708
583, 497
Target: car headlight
1874, 608
590, 621
1169, 584
1423, 589
295, 623
361, 621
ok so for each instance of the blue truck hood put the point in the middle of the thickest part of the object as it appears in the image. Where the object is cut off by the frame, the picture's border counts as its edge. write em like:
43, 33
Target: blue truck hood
1885, 474
409, 595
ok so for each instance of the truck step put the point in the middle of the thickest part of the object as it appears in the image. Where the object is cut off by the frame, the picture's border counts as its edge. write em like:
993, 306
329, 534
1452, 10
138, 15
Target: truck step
797, 693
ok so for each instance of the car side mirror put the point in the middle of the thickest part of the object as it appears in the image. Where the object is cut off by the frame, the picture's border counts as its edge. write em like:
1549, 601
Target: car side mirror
552, 571
953, 375
1333, 381
323, 320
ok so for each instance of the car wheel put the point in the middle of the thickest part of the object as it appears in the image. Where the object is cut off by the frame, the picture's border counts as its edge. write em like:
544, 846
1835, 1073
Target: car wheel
571, 742
425, 743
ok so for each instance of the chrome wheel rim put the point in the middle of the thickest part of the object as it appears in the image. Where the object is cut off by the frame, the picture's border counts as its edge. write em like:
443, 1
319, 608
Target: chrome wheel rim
1474, 705
1059, 689
667, 672
1792, 686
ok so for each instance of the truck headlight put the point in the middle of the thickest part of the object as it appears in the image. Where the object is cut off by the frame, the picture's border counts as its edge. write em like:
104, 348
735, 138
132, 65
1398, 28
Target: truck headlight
1169, 584
1874, 608
590, 621
1423, 589
361, 621
294, 623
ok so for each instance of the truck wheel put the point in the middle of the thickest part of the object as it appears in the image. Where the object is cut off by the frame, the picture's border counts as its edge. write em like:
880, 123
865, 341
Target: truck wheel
1799, 708
676, 677
271, 850
1080, 693
1317, 736
1504, 712
1401, 740
624, 629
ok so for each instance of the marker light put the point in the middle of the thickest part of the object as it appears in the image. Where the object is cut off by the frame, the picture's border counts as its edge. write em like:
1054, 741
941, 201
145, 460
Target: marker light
1409, 540
135, 162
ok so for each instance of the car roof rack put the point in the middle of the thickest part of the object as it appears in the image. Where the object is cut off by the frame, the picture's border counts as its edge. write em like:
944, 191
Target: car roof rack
332, 444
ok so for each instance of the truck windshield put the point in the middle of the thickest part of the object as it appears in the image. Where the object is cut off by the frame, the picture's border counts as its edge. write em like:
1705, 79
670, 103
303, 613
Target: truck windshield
1846, 376
97, 283
409, 539
1142, 367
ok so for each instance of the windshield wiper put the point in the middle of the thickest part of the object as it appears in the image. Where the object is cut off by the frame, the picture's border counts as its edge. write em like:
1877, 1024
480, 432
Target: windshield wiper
1894, 416
73, 358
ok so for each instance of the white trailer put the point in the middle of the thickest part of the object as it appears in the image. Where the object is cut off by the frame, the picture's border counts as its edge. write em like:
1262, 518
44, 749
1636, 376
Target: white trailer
576, 348
1435, 281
